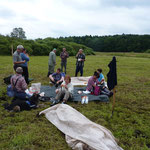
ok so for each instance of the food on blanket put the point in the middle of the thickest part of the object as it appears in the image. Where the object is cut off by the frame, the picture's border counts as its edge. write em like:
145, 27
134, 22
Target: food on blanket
79, 92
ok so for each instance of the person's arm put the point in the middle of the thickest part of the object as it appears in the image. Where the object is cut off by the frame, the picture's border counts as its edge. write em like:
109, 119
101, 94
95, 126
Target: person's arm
83, 59
54, 58
24, 57
24, 84
62, 79
77, 55
19, 62
67, 54
51, 77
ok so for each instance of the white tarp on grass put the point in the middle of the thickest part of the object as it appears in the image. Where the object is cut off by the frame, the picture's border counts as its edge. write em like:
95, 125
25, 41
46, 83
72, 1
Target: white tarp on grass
80, 131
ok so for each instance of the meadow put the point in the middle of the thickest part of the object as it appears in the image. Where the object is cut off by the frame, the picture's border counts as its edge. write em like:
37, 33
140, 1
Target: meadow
130, 123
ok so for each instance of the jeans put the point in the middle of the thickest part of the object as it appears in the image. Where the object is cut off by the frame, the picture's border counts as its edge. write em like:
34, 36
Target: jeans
25, 74
63, 64
79, 68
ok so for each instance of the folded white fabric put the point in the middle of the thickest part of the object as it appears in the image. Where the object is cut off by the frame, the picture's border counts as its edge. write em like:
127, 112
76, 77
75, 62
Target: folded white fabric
79, 130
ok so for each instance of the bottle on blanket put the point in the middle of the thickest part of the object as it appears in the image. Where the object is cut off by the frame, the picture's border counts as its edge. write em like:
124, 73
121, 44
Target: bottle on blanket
84, 99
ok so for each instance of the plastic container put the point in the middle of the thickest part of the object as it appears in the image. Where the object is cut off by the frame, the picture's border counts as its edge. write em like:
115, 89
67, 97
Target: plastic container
83, 100
86, 100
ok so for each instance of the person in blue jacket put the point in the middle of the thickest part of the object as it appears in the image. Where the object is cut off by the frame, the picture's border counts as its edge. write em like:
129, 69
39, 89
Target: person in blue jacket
25, 57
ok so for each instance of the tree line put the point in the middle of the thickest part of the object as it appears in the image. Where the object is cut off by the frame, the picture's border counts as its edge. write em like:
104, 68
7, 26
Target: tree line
40, 46
115, 43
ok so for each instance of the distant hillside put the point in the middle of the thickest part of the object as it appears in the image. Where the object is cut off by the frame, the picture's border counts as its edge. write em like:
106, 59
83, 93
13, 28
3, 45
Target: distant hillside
41, 46
115, 43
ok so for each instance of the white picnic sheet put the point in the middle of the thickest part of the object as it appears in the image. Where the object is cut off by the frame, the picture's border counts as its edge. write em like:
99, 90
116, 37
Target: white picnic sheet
81, 133
77, 81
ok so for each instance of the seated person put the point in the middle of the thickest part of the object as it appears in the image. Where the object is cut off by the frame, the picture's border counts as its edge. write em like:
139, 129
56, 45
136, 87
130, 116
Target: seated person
19, 84
56, 78
18, 105
92, 82
101, 79
65, 92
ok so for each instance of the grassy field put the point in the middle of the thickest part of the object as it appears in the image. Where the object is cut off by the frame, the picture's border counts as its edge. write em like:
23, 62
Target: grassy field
131, 120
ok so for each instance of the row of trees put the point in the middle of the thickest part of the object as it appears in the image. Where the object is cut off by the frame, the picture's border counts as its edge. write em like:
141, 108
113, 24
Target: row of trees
115, 43
40, 47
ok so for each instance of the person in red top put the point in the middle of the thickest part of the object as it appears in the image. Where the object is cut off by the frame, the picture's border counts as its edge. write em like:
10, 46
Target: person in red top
19, 84
92, 82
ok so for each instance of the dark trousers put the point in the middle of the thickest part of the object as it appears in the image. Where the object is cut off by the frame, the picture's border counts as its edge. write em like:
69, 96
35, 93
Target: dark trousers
63, 64
25, 74
16, 66
79, 68
55, 83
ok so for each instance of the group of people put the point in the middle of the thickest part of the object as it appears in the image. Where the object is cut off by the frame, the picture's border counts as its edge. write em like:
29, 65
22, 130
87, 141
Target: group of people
80, 56
64, 87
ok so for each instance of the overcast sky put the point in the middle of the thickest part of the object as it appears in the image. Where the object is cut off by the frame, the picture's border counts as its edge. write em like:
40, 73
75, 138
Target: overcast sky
55, 18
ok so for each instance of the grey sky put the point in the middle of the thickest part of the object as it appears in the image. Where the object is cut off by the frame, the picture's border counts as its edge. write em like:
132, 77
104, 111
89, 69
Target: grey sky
55, 18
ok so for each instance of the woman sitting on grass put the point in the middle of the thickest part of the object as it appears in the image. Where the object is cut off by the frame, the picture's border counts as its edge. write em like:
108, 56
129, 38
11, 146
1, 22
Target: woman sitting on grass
92, 82
65, 92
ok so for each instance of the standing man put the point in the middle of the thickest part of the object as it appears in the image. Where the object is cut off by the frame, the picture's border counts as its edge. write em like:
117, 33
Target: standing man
80, 62
64, 55
51, 62
25, 57
17, 60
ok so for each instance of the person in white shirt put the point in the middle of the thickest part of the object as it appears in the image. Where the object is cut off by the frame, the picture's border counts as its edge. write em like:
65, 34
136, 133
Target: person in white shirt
66, 91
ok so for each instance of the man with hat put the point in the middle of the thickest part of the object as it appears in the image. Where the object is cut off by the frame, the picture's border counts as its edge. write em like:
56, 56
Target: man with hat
19, 84
51, 62
17, 60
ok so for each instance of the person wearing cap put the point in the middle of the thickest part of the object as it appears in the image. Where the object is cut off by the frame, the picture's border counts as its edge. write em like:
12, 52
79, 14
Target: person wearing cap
17, 60
25, 57
80, 62
19, 84
51, 62
64, 55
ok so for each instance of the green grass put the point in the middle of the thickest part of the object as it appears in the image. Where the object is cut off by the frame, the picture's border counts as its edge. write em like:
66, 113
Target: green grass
131, 120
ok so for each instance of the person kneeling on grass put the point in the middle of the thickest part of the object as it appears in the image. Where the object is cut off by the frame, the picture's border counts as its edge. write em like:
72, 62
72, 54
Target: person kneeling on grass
65, 92
56, 78
19, 85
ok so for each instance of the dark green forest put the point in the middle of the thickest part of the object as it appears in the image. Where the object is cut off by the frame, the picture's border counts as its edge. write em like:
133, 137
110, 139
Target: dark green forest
115, 43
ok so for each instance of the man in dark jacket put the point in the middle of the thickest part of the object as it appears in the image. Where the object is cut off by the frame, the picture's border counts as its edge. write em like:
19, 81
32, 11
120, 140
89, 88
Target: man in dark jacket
80, 62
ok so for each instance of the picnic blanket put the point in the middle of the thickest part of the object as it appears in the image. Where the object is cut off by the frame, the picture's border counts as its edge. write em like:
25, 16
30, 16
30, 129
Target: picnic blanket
50, 92
81, 133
